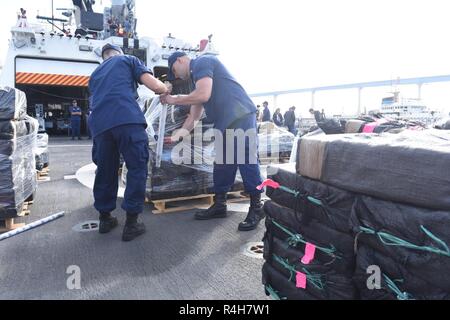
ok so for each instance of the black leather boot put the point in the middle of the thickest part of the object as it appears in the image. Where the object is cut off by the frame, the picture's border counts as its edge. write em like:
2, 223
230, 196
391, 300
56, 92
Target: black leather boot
107, 223
255, 214
218, 210
133, 228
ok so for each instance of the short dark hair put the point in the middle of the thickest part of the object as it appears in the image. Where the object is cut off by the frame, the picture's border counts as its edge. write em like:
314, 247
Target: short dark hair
265, 102
311, 110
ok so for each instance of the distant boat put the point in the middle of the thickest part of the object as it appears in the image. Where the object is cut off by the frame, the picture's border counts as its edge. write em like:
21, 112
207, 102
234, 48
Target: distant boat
407, 109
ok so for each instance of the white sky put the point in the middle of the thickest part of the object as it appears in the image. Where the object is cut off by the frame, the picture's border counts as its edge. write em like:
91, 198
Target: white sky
283, 44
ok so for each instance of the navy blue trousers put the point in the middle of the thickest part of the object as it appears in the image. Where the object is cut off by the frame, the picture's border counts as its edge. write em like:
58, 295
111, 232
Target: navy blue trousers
76, 128
132, 142
225, 174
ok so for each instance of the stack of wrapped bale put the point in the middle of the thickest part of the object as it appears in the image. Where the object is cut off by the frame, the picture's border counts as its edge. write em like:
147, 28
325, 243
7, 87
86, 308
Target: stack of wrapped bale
401, 213
17, 159
308, 246
274, 142
42, 152
186, 167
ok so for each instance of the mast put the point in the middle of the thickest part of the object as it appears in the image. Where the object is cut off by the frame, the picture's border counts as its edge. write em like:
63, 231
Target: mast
53, 17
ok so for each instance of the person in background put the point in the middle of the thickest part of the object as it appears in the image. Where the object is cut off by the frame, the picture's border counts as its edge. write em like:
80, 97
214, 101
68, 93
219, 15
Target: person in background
317, 115
75, 120
258, 113
278, 118
266, 113
289, 120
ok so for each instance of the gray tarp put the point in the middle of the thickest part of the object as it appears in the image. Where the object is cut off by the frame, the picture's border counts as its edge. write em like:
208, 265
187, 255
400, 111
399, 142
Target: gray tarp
410, 167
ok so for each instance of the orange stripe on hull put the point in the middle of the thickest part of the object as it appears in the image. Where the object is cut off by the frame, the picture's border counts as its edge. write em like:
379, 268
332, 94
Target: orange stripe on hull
51, 79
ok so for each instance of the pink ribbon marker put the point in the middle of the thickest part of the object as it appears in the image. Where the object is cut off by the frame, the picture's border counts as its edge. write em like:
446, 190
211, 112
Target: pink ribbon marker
269, 183
301, 280
370, 127
310, 252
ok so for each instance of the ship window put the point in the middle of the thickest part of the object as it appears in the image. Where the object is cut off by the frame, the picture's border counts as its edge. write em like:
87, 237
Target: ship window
141, 54
161, 73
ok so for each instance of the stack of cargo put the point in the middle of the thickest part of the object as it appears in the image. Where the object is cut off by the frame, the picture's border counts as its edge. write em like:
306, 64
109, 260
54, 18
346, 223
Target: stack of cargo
380, 125
274, 142
42, 152
401, 211
187, 167
308, 245
17, 159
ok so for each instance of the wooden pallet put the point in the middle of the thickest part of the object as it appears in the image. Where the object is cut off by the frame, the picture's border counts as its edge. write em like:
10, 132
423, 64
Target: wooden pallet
10, 225
43, 175
26, 209
203, 201
274, 160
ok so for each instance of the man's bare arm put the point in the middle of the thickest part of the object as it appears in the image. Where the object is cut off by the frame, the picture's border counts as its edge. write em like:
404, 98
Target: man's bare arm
201, 94
154, 84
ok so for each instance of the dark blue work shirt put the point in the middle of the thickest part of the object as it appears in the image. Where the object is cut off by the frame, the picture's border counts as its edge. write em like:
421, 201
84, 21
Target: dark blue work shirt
113, 88
75, 110
266, 115
229, 101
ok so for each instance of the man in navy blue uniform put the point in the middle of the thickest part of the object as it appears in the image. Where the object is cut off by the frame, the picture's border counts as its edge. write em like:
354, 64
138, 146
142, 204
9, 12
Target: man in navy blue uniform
229, 107
266, 113
75, 120
118, 126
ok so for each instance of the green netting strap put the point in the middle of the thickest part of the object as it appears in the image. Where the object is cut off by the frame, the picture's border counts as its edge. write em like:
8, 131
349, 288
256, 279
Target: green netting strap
314, 279
394, 288
391, 240
295, 239
298, 194
273, 293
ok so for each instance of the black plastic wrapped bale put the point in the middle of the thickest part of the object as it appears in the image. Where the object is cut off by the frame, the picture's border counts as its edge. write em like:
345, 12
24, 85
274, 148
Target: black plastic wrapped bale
316, 200
42, 152
42, 159
274, 141
396, 281
186, 167
331, 126
333, 247
323, 282
383, 165
17, 172
416, 238
280, 287
13, 104
443, 124
13, 129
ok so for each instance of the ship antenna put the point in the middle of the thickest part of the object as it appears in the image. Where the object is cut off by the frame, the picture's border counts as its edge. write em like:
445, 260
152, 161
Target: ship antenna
53, 17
